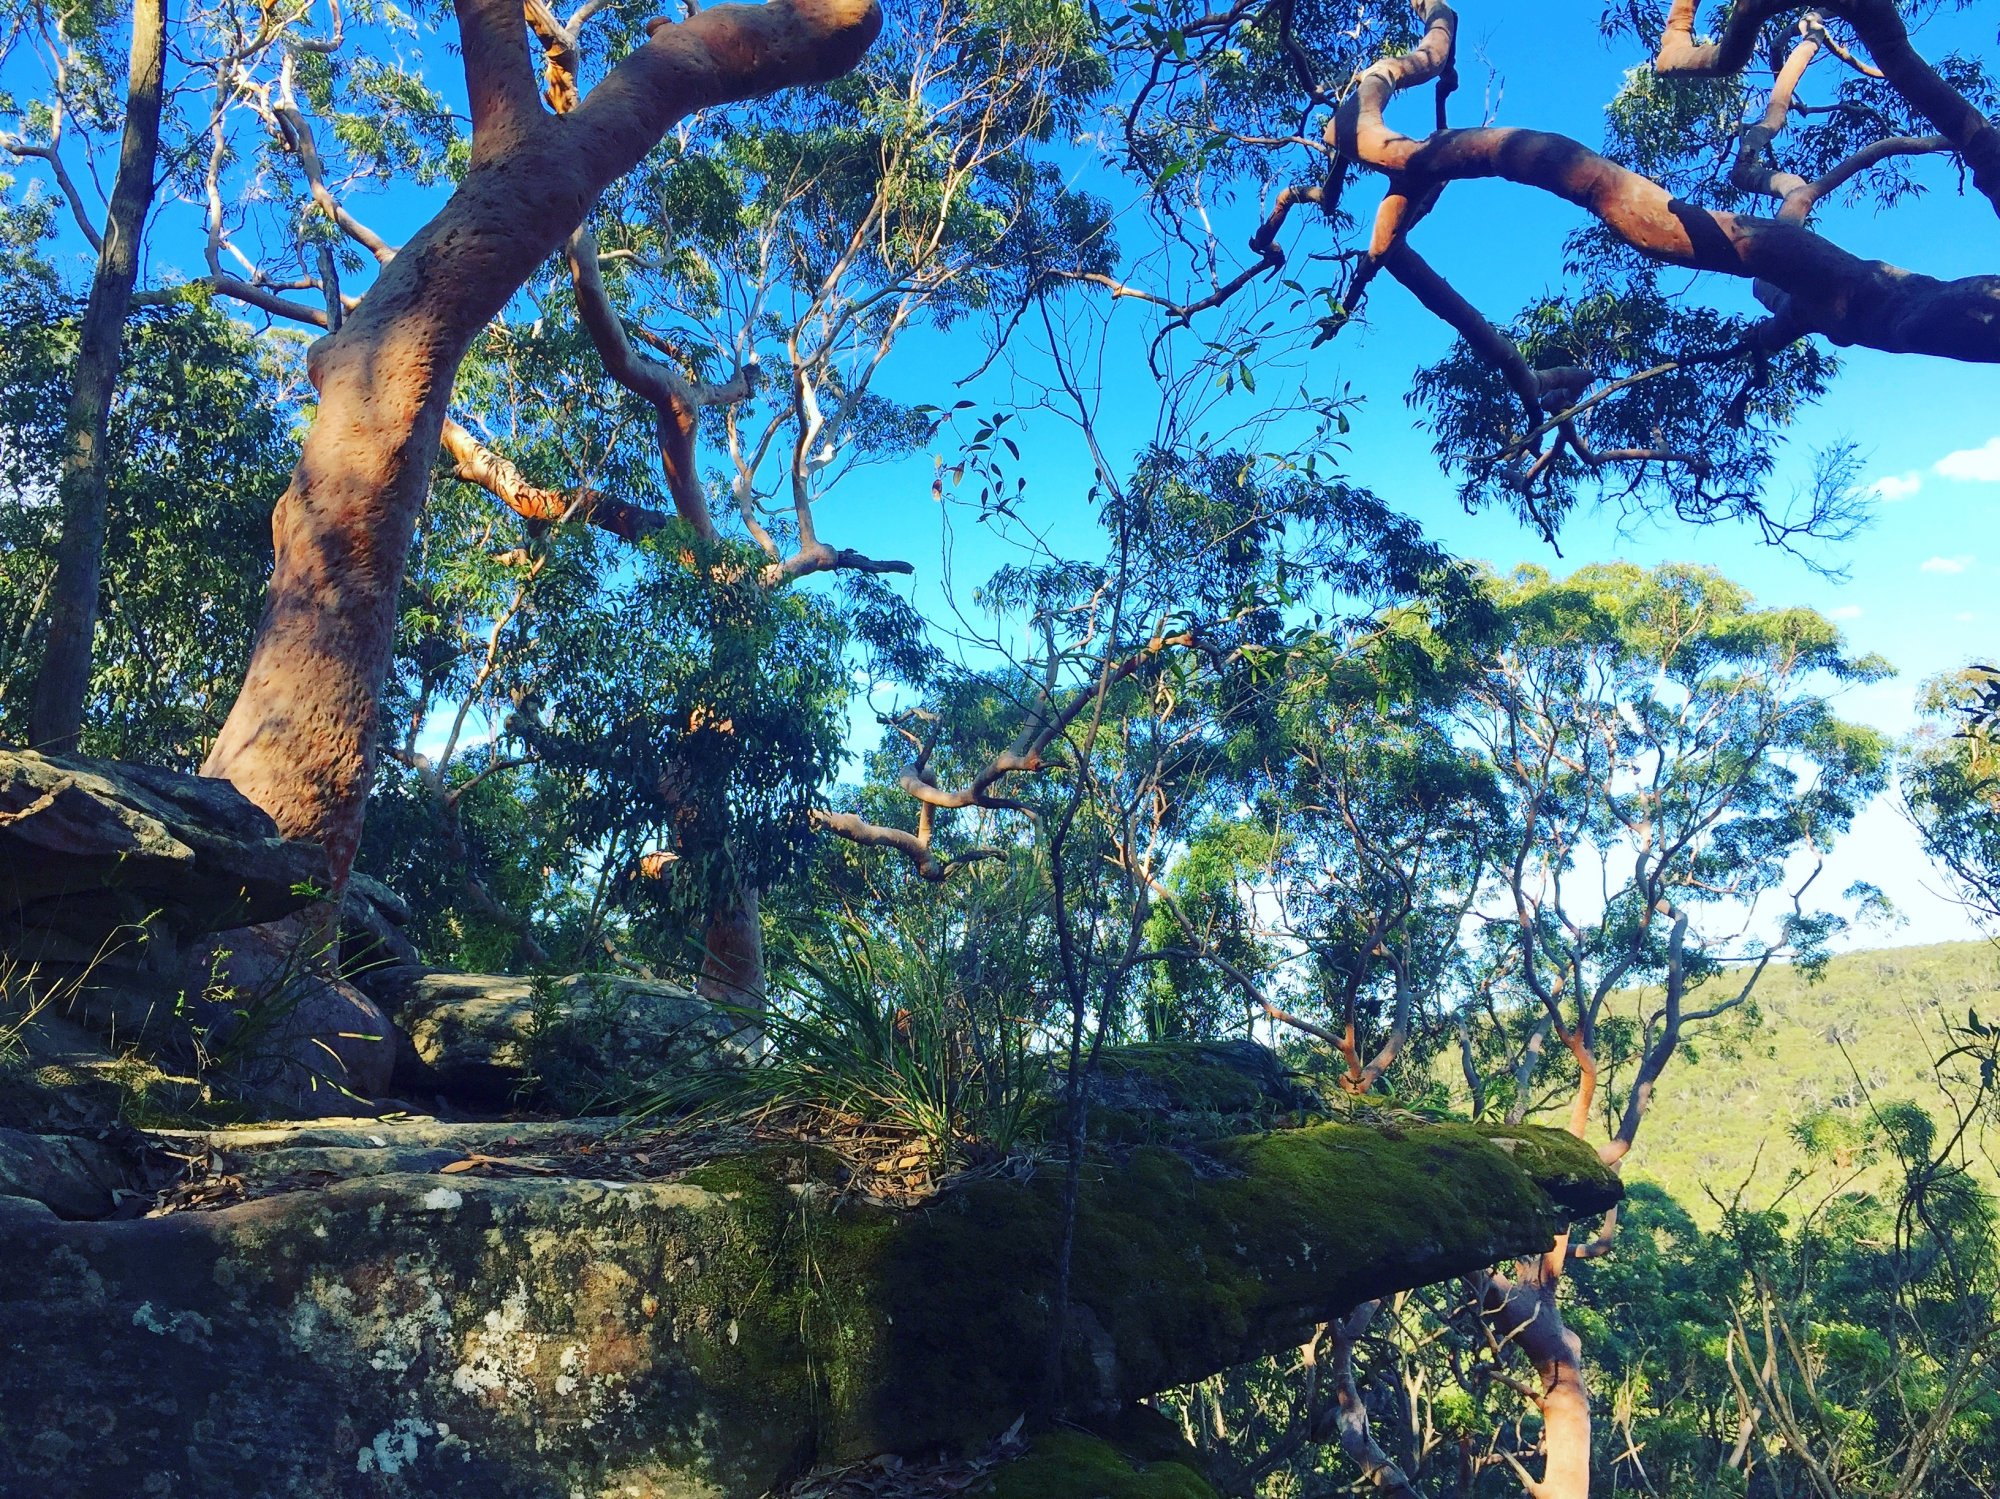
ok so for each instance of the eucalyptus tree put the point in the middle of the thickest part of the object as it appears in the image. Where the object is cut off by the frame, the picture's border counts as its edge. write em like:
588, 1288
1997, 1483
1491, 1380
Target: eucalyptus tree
1391, 830
1675, 773
301, 739
1724, 158
1138, 715
199, 442
65, 669
1948, 781
691, 382
74, 124
1621, 781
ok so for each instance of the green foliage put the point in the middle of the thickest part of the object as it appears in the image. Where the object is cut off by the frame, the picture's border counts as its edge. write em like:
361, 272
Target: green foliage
882, 1032
1790, 1095
707, 726
1706, 402
1949, 779
1870, 1317
200, 453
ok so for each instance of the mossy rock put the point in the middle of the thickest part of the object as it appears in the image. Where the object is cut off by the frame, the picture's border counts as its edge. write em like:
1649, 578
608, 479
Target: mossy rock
421, 1335
1073, 1465
932, 1328
1164, 1092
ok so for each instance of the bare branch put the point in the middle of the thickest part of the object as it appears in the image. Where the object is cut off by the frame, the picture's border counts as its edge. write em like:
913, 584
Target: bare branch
1805, 279
1880, 25
476, 463
676, 401
916, 847
19, 146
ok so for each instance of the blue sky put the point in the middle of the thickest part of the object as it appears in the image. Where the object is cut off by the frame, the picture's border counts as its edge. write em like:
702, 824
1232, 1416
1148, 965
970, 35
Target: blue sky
1920, 584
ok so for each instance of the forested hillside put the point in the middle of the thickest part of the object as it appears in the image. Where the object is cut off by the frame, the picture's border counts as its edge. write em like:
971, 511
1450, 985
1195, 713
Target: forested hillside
1869, 1030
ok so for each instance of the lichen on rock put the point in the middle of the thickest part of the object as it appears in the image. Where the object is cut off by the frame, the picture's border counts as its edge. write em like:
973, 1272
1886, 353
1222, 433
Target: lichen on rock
406, 1333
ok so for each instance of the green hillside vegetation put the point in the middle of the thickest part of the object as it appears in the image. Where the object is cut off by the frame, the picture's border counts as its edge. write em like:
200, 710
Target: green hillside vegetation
1869, 1031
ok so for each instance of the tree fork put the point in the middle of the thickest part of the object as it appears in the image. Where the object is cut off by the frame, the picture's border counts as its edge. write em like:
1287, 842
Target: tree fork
1882, 30
301, 738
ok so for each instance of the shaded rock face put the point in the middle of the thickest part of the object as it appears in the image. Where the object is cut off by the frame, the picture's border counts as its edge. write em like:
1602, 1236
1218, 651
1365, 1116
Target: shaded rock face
87, 846
300, 1040
484, 1039
159, 909
375, 954
413, 1332
74, 1176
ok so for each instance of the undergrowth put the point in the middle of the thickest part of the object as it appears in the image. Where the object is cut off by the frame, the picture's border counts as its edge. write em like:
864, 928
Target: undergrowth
883, 1035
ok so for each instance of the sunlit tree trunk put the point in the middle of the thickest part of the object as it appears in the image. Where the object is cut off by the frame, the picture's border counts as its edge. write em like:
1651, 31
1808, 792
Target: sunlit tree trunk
57, 715
301, 738
1522, 1309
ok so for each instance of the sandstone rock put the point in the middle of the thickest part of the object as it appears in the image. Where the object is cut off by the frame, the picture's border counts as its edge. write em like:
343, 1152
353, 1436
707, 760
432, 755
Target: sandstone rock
63, 1080
487, 1039
404, 1334
115, 880
375, 955
281, 1031
73, 1176
1192, 1090
88, 846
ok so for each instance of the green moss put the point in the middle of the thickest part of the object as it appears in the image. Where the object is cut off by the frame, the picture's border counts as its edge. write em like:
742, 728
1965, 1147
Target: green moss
792, 1284
1070, 1465
1184, 1263
1566, 1168
1201, 1077
1149, 1434
1163, 1092
896, 1332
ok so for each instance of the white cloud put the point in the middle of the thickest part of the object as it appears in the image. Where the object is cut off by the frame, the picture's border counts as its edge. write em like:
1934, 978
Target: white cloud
1965, 619
1975, 465
1956, 564
1845, 611
1897, 487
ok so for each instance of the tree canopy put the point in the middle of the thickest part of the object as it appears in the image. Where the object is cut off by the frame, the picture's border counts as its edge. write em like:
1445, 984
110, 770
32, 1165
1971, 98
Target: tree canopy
853, 506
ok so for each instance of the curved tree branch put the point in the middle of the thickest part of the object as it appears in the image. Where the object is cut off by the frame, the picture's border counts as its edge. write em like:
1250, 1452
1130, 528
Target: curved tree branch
1879, 24
476, 463
1811, 282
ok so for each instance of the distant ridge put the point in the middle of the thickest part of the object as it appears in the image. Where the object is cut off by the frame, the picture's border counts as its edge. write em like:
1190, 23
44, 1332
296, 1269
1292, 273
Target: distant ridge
1727, 1106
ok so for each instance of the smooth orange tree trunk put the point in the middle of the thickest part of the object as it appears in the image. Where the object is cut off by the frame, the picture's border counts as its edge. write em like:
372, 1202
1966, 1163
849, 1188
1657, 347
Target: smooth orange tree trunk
301, 738
732, 959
